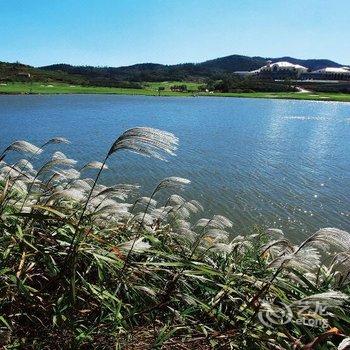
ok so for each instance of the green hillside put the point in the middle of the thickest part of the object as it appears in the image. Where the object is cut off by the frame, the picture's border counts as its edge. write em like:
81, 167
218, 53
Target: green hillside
129, 76
153, 79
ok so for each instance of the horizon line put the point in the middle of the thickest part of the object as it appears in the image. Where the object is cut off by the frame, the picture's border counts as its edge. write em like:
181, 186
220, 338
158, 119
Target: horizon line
165, 64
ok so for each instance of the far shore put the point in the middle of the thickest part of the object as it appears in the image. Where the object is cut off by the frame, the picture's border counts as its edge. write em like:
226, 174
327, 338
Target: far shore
151, 90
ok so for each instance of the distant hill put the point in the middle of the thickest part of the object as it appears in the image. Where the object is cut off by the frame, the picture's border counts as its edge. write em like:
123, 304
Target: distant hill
313, 64
187, 71
21, 72
117, 76
245, 63
234, 63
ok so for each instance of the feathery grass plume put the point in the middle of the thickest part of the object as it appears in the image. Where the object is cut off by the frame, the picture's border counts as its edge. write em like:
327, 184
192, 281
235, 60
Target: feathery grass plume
175, 199
176, 202
146, 201
241, 245
161, 212
95, 165
89, 181
147, 290
120, 191
276, 247
10, 171
309, 276
70, 174
172, 181
113, 214
275, 233
24, 164
59, 155
20, 185
99, 188
344, 344
185, 209
61, 158
139, 245
146, 141
183, 224
226, 248
217, 234
327, 237
80, 185
56, 140
108, 204
202, 222
341, 260
220, 221
14, 174
110, 217
328, 299
180, 211
144, 218
217, 221
194, 206
165, 183
23, 146
186, 234
55, 178
307, 259
70, 194
142, 140
48, 166
340, 267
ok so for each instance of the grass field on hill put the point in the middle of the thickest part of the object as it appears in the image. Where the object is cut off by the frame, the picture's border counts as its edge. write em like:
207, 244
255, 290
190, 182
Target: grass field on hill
151, 89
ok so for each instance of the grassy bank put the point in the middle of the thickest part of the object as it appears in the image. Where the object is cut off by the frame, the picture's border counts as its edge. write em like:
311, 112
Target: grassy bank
318, 96
151, 89
85, 266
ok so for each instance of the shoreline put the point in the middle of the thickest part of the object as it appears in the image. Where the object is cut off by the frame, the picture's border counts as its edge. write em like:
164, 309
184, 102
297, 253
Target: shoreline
60, 89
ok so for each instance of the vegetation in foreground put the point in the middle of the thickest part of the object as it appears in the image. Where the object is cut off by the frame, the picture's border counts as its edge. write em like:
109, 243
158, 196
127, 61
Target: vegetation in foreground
162, 89
85, 266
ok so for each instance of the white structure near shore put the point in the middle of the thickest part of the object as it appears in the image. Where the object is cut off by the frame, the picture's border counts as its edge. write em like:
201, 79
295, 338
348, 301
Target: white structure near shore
281, 66
334, 73
287, 70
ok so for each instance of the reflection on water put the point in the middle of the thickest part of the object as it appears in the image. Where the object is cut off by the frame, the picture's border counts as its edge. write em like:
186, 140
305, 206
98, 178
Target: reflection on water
265, 162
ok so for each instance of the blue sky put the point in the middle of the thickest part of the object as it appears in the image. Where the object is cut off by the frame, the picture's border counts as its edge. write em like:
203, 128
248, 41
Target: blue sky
123, 32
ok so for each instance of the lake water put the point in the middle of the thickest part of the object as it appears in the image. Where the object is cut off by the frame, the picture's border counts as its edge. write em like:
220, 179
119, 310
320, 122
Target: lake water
262, 162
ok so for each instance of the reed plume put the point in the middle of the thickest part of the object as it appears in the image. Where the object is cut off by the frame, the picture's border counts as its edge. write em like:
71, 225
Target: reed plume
88, 261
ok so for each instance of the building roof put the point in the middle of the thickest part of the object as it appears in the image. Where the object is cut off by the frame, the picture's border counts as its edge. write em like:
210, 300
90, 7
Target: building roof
333, 70
281, 65
285, 64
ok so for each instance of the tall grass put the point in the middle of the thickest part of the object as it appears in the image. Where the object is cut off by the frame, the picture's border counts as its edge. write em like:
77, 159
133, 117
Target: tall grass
86, 266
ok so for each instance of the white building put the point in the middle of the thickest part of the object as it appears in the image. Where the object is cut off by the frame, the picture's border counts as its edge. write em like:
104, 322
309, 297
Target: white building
282, 66
334, 72
286, 70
